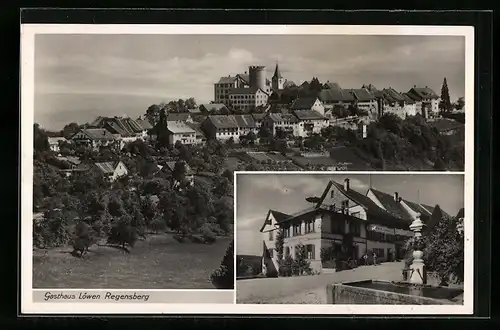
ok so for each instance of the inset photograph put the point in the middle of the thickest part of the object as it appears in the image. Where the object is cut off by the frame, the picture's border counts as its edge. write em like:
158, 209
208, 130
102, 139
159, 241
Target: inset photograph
349, 238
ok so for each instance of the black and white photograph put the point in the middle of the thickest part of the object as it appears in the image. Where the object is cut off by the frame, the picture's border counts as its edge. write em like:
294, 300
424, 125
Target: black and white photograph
350, 239
137, 140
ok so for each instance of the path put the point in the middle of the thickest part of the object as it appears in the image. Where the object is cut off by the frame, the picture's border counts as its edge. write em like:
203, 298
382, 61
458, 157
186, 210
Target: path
309, 289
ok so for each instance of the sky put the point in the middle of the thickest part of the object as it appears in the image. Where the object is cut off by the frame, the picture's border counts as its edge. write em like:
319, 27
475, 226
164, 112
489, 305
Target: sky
78, 77
257, 193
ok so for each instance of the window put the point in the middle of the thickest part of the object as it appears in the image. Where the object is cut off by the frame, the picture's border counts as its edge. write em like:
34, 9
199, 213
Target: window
296, 230
310, 251
345, 204
270, 235
310, 226
332, 193
287, 251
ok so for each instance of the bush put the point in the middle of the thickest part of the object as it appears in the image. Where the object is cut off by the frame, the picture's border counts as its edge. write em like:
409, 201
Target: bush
223, 277
122, 233
208, 235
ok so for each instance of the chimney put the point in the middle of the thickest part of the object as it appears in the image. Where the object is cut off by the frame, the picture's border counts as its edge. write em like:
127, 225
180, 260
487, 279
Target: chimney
426, 87
414, 86
396, 197
346, 184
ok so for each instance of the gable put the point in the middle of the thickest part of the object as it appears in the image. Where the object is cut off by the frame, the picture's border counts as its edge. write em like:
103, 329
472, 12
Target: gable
80, 135
271, 222
335, 196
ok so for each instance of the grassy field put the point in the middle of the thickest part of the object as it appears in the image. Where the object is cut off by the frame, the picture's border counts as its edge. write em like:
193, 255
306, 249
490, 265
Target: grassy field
160, 262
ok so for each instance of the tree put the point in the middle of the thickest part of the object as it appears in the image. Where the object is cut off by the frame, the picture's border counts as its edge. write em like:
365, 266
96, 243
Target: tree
153, 113
223, 277
444, 249
40, 139
301, 265
279, 246
445, 103
122, 232
460, 104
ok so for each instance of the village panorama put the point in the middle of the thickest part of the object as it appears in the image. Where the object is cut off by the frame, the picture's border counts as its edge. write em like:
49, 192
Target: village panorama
131, 190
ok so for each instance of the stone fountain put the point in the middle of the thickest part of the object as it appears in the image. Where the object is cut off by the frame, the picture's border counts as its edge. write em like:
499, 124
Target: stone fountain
414, 291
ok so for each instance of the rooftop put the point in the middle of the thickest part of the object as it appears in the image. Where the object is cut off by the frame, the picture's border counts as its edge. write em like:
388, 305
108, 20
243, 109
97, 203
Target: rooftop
282, 117
303, 103
178, 116
308, 115
98, 133
179, 128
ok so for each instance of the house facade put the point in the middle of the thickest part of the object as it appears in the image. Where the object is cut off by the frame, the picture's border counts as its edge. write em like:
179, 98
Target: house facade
55, 142
426, 101
374, 221
289, 124
179, 131
110, 170
365, 100
221, 127
333, 94
312, 121
310, 104
247, 98
95, 138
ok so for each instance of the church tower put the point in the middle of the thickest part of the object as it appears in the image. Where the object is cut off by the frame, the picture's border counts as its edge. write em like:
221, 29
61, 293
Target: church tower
278, 81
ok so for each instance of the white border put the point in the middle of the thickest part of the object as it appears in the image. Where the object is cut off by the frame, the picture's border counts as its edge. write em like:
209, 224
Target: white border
28, 32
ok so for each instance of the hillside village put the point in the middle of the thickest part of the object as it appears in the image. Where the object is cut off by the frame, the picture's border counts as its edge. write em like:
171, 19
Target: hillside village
171, 169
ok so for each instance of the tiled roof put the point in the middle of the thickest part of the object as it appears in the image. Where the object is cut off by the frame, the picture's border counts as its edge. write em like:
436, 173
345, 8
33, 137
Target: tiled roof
279, 216
196, 127
418, 208
308, 115
258, 116
246, 121
408, 99
419, 93
303, 103
106, 167
98, 133
226, 80
362, 200
280, 117
391, 206
391, 95
223, 121
124, 126
70, 159
362, 94
180, 116
245, 77
145, 124
179, 128
335, 95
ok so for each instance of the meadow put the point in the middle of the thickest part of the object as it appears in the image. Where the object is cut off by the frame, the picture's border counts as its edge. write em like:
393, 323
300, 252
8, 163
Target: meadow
159, 262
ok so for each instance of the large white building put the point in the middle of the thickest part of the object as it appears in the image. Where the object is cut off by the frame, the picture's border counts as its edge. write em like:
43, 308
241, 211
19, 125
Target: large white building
375, 221
247, 98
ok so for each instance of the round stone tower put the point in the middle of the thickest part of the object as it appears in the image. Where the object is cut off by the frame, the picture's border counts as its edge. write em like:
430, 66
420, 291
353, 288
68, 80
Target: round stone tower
257, 77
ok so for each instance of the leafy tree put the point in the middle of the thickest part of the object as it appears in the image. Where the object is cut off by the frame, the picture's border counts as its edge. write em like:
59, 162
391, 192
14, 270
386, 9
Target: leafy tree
222, 186
444, 251
223, 277
70, 129
153, 113
460, 104
301, 264
445, 103
40, 139
122, 232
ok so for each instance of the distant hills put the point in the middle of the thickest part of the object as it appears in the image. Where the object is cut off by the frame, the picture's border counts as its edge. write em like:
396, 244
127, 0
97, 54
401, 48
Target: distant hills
53, 111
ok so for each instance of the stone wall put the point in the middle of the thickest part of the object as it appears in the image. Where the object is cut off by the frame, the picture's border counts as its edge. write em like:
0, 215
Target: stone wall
348, 295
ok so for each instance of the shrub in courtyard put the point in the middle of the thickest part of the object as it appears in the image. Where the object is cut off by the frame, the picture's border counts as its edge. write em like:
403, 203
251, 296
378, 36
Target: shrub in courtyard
223, 277
301, 265
286, 267
208, 234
